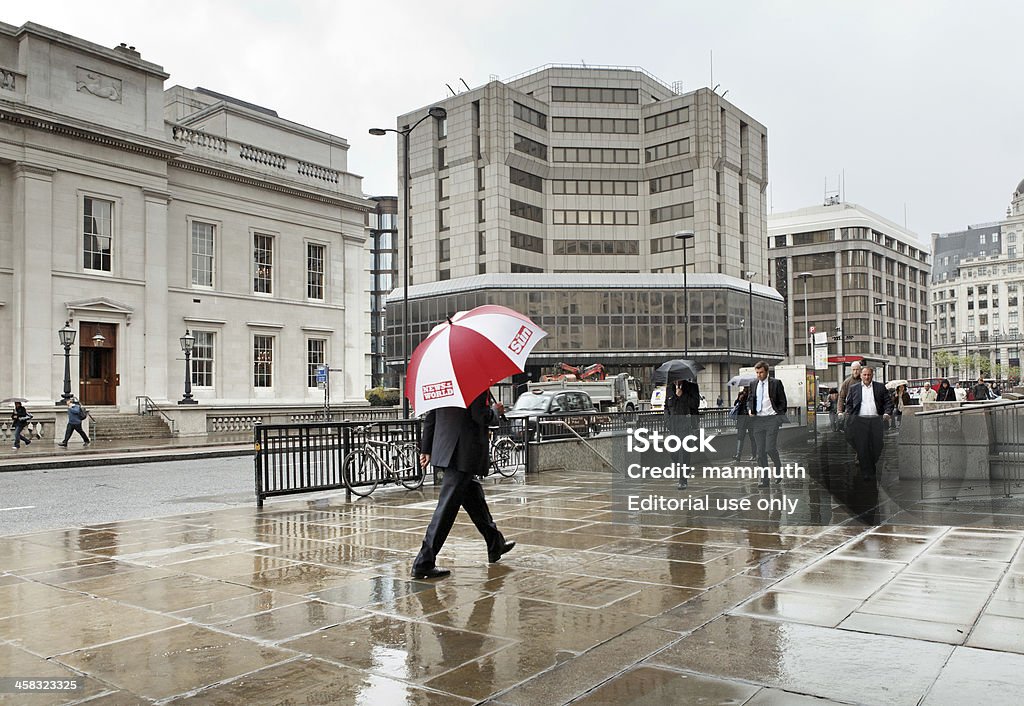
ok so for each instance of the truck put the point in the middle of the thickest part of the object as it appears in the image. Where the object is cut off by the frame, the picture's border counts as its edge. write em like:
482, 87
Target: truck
619, 393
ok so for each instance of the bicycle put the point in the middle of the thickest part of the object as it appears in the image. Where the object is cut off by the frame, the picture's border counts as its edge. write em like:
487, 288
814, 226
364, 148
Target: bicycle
507, 455
377, 461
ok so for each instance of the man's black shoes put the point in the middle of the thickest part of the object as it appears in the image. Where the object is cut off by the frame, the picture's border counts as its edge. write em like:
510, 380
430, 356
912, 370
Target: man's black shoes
505, 549
431, 573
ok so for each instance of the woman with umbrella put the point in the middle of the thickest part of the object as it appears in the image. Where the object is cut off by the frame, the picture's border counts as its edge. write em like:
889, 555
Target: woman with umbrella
682, 405
20, 417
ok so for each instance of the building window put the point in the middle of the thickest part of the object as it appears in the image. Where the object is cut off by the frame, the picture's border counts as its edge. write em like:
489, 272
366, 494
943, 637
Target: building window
672, 182
443, 275
481, 181
516, 267
202, 254
596, 155
481, 211
527, 211
595, 218
316, 355
594, 187
97, 229
442, 219
526, 180
596, 247
263, 263
481, 242
444, 249
442, 128
672, 213
263, 361
315, 271
529, 115
442, 189
571, 94
202, 359
667, 150
530, 147
442, 158
522, 241
615, 126
664, 120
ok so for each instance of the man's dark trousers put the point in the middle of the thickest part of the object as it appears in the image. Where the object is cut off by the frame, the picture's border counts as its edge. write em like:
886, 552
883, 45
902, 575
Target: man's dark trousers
766, 439
458, 489
867, 438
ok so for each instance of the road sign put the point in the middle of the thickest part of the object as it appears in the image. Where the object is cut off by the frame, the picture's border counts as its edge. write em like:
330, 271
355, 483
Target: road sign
812, 329
321, 376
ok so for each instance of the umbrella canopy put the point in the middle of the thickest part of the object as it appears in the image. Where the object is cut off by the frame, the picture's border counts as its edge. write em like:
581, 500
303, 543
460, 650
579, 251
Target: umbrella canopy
893, 384
677, 370
466, 354
12, 400
742, 380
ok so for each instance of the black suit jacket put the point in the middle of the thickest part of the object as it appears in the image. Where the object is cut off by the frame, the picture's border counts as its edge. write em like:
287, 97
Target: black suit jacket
456, 438
686, 404
883, 400
776, 393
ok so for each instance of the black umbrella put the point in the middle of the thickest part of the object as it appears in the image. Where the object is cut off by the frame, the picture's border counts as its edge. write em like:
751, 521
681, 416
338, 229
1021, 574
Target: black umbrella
677, 370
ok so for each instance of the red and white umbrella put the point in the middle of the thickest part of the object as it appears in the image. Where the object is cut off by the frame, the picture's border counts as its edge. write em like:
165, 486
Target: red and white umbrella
466, 354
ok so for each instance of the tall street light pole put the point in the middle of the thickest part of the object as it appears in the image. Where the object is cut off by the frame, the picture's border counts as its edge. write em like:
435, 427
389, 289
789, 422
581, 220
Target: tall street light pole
685, 236
728, 354
882, 306
188, 342
66, 336
930, 322
812, 400
749, 276
438, 113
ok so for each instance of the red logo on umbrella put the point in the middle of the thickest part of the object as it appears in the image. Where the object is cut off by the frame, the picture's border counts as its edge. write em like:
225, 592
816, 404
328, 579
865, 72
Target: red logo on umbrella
438, 389
521, 339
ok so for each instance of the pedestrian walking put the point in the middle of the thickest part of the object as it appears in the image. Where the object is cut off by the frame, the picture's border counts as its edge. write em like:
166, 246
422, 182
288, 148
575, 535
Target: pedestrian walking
854, 378
900, 399
682, 406
20, 418
455, 440
868, 405
767, 407
981, 392
945, 393
743, 430
76, 415
928, 394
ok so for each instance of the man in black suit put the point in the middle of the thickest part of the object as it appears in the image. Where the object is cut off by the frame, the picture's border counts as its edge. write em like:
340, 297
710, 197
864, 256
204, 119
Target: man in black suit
767, 406
867, 406
455, 440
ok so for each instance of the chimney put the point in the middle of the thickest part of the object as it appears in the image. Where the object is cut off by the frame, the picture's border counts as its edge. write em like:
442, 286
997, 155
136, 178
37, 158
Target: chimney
127, 50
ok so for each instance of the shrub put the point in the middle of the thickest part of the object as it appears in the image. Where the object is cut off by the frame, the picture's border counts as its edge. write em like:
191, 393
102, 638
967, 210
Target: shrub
382, 396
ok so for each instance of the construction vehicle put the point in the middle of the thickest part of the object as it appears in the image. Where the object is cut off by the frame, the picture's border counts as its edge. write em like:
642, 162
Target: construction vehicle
573, 372
620, 393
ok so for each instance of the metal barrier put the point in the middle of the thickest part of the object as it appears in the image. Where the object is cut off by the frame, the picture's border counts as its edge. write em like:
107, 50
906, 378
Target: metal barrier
301, 458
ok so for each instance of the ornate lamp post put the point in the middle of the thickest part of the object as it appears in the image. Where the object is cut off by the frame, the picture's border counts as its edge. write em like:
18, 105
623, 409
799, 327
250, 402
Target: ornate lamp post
66, 336
188, 341
685, 236
438, 113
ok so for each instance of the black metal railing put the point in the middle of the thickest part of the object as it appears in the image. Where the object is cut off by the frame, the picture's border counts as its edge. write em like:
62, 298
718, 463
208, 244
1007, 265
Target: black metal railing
146, 406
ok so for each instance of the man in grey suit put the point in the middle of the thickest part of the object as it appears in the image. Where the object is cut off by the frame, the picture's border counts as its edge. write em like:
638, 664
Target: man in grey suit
868, 404
455, 440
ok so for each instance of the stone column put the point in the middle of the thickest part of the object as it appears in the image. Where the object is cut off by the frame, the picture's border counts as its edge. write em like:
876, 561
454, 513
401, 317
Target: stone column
155, 317
37, 369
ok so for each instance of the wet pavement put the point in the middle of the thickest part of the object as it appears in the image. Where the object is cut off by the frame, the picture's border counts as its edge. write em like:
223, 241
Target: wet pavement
309, 601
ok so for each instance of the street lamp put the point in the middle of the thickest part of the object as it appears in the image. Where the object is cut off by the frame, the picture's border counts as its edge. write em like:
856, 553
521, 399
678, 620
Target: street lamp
66, 336
930, 323
728, 353
809, 344
438, 113
188, 342
882, 306
750, 314
685, 236
804, 276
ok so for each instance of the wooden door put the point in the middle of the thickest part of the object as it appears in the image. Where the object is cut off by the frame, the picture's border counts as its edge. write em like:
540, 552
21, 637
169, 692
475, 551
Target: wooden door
97, 349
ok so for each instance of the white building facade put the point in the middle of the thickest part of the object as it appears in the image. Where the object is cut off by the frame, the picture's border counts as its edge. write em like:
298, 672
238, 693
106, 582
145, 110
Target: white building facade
136, 213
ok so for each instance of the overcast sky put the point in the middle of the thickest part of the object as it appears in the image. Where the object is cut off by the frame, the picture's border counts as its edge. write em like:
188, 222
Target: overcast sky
917, 103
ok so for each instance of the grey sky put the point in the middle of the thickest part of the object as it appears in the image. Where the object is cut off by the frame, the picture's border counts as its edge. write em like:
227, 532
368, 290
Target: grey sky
917, 102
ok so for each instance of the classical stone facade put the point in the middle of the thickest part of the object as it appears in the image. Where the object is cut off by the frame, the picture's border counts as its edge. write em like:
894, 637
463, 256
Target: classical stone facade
137, 213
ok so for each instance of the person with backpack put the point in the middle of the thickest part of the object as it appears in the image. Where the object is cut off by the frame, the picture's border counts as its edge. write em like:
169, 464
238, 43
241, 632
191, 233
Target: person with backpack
76, 415
20, 417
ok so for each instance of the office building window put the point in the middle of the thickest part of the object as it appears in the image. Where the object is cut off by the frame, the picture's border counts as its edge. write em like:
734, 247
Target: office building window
571, 94
530, 147
594, 187
671, 182
481, 242
202, 254
263, 263
664, 120
444, 249
316, 355
526, 210
522, 241
596, 155
97, 229
442, 157
615, 126
202, 359
263, 361
529, 115
526, 180
516, 267
667, 150
595, 218
596, 247
672, 213
442, 189
315, 271
442, 219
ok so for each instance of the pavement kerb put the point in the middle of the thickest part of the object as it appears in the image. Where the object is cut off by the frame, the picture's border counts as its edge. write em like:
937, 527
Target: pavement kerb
83, 458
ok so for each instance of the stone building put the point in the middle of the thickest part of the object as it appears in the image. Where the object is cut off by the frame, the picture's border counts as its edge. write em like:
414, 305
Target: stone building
136, 213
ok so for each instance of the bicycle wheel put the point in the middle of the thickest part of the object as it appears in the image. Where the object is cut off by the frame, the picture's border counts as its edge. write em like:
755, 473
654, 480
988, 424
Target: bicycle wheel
407, 466
505, 457
361, 473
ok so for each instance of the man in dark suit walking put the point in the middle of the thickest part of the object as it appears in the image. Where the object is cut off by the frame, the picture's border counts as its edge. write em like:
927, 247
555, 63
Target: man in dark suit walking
767, 406
867, 406
455, 440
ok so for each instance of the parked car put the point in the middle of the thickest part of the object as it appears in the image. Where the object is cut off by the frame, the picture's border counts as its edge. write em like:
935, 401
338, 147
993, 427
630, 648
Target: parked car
573, 407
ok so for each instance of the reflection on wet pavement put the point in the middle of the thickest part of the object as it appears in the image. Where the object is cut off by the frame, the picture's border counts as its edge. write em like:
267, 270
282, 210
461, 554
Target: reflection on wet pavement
311, 601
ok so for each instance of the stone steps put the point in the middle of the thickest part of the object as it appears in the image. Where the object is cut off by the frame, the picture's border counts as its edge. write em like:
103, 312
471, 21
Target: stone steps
129, 426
